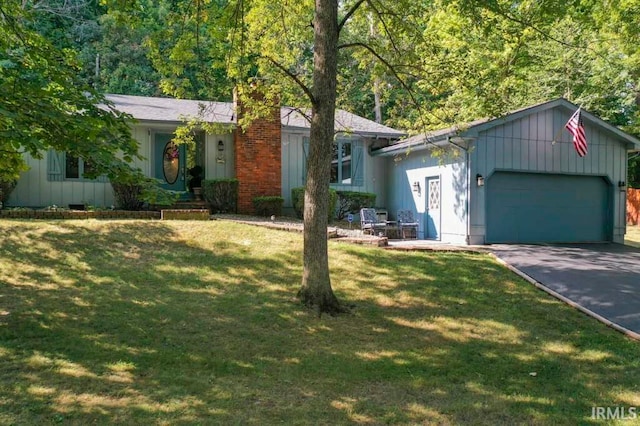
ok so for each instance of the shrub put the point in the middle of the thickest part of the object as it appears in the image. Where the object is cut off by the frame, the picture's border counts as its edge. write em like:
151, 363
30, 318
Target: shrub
128, 196
5, 190
132, 190
297, 199
268, 205
221, 194
352, 202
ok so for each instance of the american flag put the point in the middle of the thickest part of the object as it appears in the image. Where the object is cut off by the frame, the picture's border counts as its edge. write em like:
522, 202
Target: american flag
576, 128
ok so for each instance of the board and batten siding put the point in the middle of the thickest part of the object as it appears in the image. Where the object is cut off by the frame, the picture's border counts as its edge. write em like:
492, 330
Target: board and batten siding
219, 165
294, 170
405, 169
35, 190
538, 143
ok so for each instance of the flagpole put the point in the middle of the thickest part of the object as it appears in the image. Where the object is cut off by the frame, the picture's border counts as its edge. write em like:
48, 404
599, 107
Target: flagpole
553, 141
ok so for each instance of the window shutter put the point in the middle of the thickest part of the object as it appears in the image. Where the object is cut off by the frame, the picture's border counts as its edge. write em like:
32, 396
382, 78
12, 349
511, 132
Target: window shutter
305, 151
55, 161
357, 151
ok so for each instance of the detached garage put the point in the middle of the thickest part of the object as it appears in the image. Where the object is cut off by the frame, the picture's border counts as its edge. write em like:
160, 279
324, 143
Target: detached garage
515, 179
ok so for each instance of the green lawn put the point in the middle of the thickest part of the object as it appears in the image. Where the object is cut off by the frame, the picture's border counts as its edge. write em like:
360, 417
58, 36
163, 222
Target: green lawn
633, 236
134, 322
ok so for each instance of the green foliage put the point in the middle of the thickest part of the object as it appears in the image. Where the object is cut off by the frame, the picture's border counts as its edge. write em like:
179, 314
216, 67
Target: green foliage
297, 199
6, 187
268, 205
45, 103
128, 196
221, 194
352, 202
132, 190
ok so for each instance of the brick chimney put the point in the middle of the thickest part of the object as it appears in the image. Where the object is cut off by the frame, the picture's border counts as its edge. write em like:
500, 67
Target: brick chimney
258, 160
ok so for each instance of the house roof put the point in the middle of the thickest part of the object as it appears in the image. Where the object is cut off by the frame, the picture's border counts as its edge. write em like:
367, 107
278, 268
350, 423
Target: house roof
145, 108
345, 122
471, 129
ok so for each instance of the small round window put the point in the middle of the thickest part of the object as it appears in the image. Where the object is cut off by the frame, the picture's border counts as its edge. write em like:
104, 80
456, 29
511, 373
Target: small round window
171, 162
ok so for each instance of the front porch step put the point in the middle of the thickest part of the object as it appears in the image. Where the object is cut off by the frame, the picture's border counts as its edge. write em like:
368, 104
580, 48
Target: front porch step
190, 205
183, 205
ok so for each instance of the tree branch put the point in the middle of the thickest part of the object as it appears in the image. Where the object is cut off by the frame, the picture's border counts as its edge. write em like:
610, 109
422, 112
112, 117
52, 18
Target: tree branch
384, 24
295, 78
404, 85
349, 13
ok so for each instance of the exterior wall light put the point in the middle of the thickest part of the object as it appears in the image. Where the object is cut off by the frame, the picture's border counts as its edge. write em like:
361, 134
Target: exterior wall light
622, 185
416, 187
220, 158
479, 179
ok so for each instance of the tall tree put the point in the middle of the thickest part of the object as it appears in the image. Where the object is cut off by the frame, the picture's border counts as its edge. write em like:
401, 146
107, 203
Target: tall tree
279, 41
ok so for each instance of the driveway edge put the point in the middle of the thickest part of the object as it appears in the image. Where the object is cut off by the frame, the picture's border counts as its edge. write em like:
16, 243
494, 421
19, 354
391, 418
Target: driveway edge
617, 327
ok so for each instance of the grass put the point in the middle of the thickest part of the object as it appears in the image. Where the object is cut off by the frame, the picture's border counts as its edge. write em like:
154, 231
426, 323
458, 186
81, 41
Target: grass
632, 237
136, 322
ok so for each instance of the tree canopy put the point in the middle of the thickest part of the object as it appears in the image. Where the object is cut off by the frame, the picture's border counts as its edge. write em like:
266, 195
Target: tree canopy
45, 103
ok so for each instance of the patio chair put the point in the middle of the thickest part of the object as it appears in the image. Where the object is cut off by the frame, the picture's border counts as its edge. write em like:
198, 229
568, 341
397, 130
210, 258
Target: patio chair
369, 222
406, 222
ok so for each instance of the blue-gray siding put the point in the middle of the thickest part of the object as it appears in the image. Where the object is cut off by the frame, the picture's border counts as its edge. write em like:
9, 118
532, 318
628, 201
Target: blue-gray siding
419, 166
293, 169
539, 143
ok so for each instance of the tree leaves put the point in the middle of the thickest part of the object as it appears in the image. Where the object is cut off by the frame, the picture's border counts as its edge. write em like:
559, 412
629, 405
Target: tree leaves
49, 105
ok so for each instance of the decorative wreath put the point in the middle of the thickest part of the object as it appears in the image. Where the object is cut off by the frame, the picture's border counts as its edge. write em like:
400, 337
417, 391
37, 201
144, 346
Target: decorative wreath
171, 152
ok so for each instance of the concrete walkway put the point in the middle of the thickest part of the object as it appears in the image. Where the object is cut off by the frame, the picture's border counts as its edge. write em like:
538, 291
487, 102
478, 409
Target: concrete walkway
602, 280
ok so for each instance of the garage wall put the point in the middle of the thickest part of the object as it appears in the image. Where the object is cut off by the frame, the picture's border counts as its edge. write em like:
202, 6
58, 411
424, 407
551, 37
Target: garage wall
418, 166
527, 144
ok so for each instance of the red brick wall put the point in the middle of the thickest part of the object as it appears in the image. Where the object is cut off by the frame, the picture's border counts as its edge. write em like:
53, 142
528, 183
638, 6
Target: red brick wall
258, 159
633, 206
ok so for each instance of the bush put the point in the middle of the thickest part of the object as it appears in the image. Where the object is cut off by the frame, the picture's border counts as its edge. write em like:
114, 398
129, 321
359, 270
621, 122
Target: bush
5, 190
297, 199
352, 202
132, 190
268, 205
221, 194
128, 196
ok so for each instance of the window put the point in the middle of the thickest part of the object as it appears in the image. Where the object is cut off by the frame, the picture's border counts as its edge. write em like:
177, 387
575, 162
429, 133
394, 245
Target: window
62, 166
341, 162
76, 167
346, 162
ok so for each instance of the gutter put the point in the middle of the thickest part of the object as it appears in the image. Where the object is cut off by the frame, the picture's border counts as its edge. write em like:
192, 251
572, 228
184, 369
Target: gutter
366, 134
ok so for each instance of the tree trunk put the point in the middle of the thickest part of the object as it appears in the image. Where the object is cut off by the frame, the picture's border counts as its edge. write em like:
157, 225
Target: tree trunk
378, 103
316, 288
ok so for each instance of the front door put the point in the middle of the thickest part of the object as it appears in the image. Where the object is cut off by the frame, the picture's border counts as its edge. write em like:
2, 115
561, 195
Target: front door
170, 161
432, 216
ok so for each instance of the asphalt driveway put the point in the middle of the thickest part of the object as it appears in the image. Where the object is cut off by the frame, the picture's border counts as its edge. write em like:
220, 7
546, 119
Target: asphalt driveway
604, 278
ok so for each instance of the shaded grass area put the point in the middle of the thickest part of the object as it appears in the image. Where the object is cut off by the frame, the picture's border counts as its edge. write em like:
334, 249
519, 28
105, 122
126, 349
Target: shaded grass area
632, 238
197, 323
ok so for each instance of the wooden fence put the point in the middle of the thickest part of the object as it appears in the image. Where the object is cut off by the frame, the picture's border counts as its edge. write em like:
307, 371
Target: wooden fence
633, 206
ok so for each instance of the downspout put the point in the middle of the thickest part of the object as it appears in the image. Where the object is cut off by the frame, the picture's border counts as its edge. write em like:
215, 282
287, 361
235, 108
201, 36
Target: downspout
468, 187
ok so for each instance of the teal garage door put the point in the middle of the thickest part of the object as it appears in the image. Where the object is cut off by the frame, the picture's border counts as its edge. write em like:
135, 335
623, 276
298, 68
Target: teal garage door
546, 208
